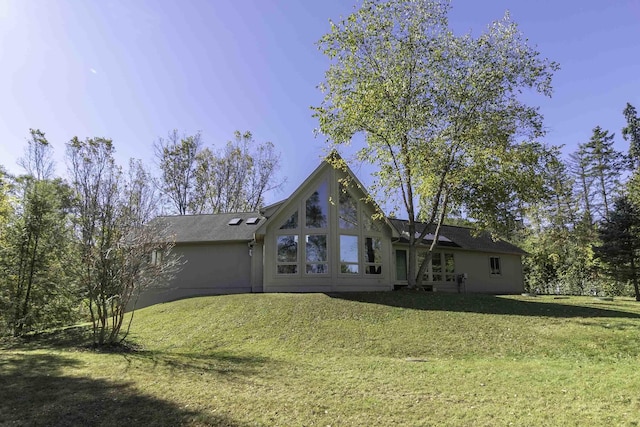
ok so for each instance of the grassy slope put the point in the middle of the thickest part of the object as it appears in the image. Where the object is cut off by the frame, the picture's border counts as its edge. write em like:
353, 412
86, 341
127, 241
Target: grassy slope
361, 359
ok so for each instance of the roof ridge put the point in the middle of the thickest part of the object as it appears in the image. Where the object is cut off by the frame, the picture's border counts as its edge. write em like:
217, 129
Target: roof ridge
210, 214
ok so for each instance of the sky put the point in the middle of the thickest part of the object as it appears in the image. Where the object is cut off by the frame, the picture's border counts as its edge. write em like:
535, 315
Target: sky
133, 70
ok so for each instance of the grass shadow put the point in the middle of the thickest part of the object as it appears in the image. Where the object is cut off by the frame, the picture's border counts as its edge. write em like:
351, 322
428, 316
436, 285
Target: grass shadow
35, 392
220, 363
481, 303
61, 338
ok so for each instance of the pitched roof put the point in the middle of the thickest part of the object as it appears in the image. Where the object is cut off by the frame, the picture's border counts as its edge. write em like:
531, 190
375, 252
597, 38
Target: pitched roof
211, 228
459, 237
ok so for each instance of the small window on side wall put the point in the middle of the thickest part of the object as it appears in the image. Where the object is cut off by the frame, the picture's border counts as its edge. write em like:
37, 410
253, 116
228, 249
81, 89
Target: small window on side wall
494, 265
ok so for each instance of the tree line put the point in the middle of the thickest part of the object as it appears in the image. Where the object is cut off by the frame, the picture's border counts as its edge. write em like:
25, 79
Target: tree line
84, 246
585, 236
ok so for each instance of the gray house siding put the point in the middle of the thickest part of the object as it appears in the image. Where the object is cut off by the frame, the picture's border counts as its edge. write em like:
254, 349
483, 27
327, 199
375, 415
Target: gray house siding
476, 266
208, 269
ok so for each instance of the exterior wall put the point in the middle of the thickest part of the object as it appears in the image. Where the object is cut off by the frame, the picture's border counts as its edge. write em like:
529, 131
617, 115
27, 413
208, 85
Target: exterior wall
209, 269
333, 280
476, 265
480, 279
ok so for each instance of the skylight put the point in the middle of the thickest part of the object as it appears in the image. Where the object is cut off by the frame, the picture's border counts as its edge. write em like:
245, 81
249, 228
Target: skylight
253, 220
235, 221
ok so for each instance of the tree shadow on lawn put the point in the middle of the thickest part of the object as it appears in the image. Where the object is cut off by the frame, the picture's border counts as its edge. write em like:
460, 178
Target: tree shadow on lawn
35, 392
228, 365
480, 303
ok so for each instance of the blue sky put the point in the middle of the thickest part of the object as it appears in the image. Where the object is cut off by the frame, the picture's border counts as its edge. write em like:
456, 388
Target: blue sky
134, 70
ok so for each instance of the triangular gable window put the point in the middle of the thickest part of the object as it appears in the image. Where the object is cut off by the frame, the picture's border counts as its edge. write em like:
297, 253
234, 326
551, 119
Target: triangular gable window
291, 223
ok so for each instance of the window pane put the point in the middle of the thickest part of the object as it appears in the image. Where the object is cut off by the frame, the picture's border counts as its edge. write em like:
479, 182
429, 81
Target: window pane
373, 269
287, 248
401, 265
291, 223
317, 268
349, 249
372, 249
316, 248
317, 207
436, 263
369, 223
436, 267
349, 268
495, 265
287, 269
348, 210
449, 264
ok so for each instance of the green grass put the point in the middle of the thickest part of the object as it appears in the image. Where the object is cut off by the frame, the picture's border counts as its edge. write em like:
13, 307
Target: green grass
365, 359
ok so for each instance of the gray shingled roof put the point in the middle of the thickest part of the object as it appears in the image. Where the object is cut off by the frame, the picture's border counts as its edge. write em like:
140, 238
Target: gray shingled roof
210, 228
460, 237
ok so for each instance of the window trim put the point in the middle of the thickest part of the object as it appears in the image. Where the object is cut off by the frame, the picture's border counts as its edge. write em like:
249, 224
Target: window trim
295, 263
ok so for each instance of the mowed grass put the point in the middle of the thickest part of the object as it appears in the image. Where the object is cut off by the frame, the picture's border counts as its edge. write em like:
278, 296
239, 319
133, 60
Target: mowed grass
401, 358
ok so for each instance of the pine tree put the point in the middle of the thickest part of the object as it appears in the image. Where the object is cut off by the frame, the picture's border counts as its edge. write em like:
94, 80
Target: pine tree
620, 236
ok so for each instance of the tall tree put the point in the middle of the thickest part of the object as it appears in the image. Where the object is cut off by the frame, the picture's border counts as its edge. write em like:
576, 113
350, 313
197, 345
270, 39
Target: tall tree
236, 179
441, 113
121, 253
38, 246
631, 133
38, 158
176, 156
580, 170
604, 165
620, 236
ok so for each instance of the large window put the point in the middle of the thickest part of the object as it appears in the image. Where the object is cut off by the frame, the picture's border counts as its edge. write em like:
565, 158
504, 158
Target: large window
316, 254
441, 269
349, 254
449, 268
317, 207
287, 261
372, 255
329, 214
347, 210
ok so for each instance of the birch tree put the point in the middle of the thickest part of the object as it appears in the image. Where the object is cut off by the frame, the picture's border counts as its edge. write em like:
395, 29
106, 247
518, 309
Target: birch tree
441, 113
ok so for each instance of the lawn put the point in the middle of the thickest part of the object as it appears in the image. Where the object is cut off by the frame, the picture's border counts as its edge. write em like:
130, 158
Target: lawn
401, 358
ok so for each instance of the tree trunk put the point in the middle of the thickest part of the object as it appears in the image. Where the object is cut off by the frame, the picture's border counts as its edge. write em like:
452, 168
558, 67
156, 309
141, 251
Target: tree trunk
634, 278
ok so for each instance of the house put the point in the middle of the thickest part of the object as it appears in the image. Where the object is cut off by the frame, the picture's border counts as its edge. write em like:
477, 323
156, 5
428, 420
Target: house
326, 238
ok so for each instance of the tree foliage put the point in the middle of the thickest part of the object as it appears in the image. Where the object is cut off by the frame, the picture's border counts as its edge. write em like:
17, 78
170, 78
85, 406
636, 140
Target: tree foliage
36, 253
603, 166
200, 180
176, 156
631, 133
236, 179
442, 114
620, 247
119, 251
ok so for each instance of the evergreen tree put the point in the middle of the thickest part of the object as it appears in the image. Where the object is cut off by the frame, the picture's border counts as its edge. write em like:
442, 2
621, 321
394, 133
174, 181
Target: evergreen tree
604, 166
620, 247
631, 133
